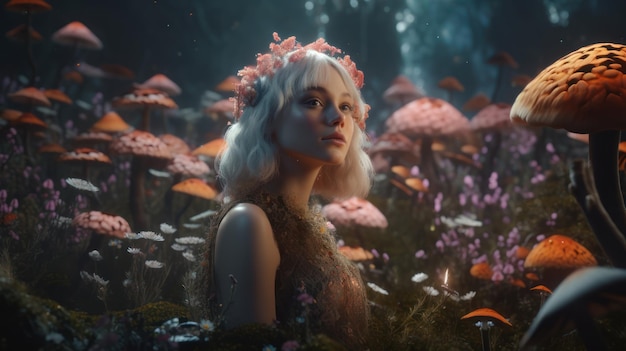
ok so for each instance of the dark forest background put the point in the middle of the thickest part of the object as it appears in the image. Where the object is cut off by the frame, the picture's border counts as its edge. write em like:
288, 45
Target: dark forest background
197, 43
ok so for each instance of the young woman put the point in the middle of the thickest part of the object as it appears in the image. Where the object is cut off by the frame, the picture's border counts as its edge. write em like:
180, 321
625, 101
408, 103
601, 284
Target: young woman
300, 132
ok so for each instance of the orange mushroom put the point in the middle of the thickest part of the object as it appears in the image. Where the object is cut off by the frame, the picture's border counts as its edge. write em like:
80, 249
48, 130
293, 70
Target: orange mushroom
481, 270
583, 92
557, 256
111, 122
485, 318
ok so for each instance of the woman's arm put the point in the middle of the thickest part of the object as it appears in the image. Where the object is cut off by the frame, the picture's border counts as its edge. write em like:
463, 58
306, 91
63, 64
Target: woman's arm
245, 247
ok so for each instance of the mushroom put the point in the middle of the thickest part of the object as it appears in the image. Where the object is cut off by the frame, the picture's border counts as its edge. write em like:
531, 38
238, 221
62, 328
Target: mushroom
228, 85
583, 92
476, 103
484, 318
85, 158
558, 256
210, 150
77, 35
194, 187
493, 120
29, 124
401, 91
28, 7
427, 118
145, 99
481, 270
355, 212
395, 148
30, 96
175, 144
111, 122
450, 84
544, 292
145, 148
500, 59
161, 82
586, 294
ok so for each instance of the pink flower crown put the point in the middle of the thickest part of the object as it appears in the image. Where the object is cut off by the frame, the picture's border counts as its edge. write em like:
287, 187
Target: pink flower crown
267, 64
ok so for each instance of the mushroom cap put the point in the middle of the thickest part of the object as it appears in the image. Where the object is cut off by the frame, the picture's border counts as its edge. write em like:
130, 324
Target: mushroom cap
587, 293
583, 138
476, 102
77, 34
140, 143
427, 116
541, 288
10, 115
57, 95
492, 117
502, 58
188, 165
111, 122
402, 90
210, 149
451, 83
141, 97
161, 82
92, 138
103, 223
30, 96
32, 6
583, 92
175, 144
52, 148
228, 84
481, 270
416, 184
20, 33
486, 313
559, 251
394, 144
355, 211
29, 121
196, 187
223, 108
355, 254
118, 71
85, 155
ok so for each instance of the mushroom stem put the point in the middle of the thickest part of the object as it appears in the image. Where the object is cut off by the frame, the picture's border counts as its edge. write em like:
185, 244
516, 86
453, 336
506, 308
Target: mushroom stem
145, 119
603, 158
484, 335
582, 186
138, 193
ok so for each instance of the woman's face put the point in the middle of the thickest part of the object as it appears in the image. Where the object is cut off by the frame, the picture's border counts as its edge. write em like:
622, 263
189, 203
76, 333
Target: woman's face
316, 127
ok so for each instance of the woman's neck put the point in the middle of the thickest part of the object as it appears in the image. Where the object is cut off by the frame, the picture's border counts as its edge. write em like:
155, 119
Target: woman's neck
294, 182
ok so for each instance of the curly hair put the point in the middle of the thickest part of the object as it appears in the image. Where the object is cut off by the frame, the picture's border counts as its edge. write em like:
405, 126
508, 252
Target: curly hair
250, 158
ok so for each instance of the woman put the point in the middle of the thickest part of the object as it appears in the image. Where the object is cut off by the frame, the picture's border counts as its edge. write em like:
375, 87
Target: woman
299, 132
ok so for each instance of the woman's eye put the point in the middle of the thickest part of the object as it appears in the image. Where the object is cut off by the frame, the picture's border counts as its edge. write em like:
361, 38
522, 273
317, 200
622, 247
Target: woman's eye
346, 107
313, 102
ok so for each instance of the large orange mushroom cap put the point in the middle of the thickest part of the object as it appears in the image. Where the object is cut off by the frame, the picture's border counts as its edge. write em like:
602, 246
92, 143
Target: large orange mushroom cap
111, 122
161, 82
583, 92
559, 251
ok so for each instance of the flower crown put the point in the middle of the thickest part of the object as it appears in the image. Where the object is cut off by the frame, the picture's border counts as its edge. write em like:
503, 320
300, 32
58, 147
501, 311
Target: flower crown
267, 64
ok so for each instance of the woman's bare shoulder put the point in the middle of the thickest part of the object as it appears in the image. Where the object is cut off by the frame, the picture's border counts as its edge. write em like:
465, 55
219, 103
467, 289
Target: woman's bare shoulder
245, 223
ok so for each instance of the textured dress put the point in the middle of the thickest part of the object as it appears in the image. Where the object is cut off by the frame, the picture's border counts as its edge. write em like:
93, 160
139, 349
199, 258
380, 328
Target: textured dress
310, 267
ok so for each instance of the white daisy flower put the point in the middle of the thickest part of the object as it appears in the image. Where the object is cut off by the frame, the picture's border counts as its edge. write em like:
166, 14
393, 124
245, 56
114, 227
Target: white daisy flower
167, 229
82, 184
154, 264
178, 247
132, 236
98, 279
470, 295
419, 277
378, 289
95, 255
149, 235
431, 291
190, 240
189, 256
159, 174
202, 215
133, 250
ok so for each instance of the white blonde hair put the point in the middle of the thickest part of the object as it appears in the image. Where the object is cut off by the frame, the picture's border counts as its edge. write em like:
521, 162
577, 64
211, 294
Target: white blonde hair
251, 156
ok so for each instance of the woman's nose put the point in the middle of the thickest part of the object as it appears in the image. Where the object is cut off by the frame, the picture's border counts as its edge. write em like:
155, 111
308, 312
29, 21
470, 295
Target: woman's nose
334, 116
